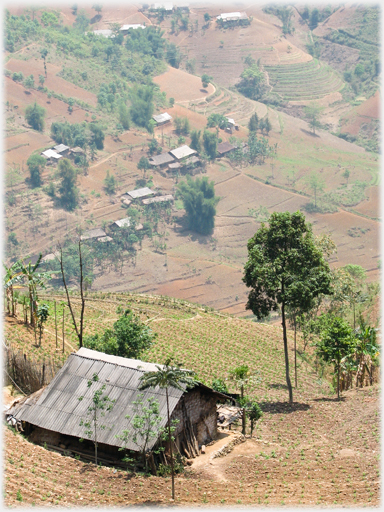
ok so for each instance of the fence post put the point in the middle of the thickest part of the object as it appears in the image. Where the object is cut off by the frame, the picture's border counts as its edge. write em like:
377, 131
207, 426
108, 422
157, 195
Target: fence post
42, 378
56, 324
63, 325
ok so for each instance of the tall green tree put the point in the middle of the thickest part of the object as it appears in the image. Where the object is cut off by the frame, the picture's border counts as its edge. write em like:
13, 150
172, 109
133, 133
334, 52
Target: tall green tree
210, 144
316, 183
253, 122
199, 201
169, 376
336, 341
284, 268
68, 190
313, 114
34, 115
129, 337
195, 140
252, 83
36, 164
242, 376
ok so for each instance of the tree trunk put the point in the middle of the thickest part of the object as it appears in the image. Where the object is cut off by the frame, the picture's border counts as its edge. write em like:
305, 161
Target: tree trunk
82, 298
286, 354
170, 445
95, 426
338, 379
294, 323
243, 419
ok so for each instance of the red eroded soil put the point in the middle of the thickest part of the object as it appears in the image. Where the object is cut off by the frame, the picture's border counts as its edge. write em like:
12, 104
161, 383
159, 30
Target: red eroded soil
371, 206
31, 141
362, 114
55, 109
320, 451
52, 82
182, 86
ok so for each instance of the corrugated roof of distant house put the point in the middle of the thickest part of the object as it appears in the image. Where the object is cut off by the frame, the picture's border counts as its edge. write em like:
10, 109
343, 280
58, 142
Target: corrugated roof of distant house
230, 120
105, 239
182, 152
139, 227
106, 32
162, 159
168, 6
229, 16
158, 199
57, 407
122, 222
60, 148
175, 165
140, 192
162, 118
49, 153
192, 160
93, 233
225, 147
77, 149
133, 25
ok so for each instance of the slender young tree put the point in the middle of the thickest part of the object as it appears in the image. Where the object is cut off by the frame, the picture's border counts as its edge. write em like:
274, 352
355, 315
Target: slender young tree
100, 405
285, 268
79, 330
169, 376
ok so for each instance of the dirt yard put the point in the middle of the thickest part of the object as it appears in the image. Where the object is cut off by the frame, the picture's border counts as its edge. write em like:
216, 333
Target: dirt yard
319, 452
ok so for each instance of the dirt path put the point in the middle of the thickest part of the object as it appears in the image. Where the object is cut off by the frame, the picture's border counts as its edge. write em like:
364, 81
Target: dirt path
215, 467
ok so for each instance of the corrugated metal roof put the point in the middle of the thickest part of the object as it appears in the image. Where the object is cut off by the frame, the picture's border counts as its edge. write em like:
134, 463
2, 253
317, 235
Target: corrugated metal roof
122, 222
158, 199
225, 147
164, 158
49, 153
140, 192
162, 118
133, 25
60, 148
182, 152
93, 233
59, 409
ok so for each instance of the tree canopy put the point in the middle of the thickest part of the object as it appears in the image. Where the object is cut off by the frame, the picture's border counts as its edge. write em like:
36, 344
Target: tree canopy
285, 268
199, 201
252, 83
36, 164
34, 115
68, 190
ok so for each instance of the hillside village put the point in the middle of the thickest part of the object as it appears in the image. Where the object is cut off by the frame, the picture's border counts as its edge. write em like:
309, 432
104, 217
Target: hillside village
191, 285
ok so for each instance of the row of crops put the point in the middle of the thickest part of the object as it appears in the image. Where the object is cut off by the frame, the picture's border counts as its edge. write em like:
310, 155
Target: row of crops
205, 341
303, 81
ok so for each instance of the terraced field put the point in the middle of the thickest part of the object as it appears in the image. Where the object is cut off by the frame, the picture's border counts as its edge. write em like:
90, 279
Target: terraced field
193, 334
303, 81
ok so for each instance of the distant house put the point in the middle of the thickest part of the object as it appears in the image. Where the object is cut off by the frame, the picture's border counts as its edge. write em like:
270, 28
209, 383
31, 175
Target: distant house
140, 192
159, 199
122, 223
225, 147
231, 125
162, 160
49, 257
75, 152
93, 233
126, 199
134, 26
61, 149
54, 414
162, 119
51, 156
182, 152
106, 32
104, 239
232, 16
167, 6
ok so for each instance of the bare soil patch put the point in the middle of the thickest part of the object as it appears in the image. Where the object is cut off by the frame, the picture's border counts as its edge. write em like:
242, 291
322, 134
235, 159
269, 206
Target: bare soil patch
55, 109
52, 82
320, 452
182, 86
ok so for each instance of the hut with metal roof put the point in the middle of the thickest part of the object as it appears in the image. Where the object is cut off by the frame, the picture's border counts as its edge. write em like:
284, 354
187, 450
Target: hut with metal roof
162, 118
53, 414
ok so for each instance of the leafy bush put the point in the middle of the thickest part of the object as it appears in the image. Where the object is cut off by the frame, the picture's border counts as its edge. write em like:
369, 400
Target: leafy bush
34, 115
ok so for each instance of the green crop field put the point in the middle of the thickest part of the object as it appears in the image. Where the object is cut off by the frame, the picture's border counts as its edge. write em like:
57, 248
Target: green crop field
303, 81
202, 339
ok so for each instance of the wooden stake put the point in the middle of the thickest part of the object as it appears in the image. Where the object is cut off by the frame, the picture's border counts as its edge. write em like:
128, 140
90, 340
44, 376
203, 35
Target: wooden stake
63, 325
56, 324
